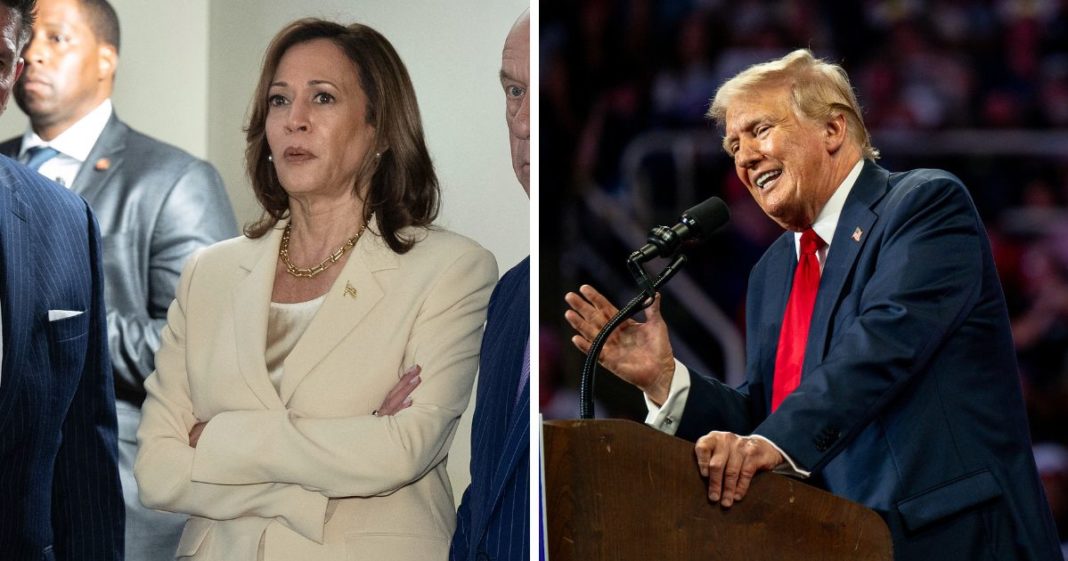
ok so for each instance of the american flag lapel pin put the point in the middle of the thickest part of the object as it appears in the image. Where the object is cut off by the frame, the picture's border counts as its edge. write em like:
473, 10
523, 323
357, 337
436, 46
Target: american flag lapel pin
857, 234
103, 164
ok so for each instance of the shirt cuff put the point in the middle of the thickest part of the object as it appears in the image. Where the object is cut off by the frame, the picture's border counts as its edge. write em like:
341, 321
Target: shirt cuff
665, 418
789, 467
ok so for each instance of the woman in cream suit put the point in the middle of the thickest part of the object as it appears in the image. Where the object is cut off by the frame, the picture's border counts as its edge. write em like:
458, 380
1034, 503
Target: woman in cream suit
262, 420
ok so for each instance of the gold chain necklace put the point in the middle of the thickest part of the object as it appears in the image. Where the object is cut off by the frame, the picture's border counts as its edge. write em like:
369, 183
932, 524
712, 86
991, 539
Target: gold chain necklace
312, 272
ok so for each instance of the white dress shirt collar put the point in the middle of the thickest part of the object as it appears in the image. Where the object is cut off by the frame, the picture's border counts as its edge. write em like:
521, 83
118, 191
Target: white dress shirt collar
77, 141
827, 220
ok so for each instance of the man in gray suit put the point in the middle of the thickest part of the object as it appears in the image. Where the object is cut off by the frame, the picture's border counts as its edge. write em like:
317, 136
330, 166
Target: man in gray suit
155, 203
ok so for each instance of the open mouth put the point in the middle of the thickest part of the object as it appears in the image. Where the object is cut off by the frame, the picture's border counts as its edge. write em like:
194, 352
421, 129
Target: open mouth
767, 177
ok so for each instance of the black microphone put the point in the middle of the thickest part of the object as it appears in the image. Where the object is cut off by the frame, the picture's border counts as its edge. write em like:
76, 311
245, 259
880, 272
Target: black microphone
694, 228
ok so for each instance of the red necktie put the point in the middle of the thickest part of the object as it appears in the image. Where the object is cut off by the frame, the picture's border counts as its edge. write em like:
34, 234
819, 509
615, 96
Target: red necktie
795, 322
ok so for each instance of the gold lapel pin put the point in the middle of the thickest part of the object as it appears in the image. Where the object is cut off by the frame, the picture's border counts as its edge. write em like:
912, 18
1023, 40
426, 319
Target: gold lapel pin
350, 290
857, 234
103, 164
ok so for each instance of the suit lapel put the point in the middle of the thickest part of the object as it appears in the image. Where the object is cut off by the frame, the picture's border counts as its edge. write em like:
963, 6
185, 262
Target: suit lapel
342, 311
856, 216
11, 147
501, 423
515, 441
783, 257
103, 161
251, 301
17, 294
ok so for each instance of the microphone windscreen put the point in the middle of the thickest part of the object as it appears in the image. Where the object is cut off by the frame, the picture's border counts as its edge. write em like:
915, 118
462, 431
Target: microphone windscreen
708, 216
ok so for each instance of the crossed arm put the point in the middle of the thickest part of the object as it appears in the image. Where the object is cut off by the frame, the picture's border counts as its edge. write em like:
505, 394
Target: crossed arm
276, 463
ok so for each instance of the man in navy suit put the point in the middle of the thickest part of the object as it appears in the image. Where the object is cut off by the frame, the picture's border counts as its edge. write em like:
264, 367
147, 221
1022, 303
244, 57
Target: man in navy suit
59, 480
155, 204
880, 361
494, 517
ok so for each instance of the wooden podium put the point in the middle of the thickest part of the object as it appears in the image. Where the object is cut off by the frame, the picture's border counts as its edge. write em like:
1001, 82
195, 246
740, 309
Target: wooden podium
618, 491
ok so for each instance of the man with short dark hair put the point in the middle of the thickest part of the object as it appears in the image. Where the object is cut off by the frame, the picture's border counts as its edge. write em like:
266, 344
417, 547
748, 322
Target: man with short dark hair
59, 483
156, 205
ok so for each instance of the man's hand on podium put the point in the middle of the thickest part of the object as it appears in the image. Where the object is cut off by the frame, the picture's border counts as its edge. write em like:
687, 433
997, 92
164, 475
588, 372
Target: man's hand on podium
639, 353
730, 461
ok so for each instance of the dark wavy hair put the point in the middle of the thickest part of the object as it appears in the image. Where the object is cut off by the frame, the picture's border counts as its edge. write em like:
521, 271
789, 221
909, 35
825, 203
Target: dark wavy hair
403, 188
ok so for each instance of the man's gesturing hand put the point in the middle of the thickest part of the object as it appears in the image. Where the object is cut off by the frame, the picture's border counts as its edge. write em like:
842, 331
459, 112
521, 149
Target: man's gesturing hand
639, 353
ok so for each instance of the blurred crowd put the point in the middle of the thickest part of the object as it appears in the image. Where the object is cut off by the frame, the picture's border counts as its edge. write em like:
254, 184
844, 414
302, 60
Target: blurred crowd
993, 74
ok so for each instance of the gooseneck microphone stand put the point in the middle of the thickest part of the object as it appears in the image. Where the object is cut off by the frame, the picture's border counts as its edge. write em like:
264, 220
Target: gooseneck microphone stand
643, 300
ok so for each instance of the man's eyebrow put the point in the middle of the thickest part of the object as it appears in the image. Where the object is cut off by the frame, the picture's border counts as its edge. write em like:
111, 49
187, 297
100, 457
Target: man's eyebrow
745, 126
727, 141
506, 76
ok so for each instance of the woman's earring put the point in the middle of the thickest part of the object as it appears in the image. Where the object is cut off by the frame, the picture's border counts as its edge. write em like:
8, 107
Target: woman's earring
270, 157
378, 154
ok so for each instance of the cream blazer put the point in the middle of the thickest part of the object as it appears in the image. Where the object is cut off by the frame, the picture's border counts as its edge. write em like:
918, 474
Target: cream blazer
307, 472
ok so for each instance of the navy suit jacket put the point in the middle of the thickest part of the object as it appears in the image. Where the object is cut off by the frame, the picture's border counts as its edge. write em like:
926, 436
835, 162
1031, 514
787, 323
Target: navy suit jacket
910, 399
59, 482
494, 517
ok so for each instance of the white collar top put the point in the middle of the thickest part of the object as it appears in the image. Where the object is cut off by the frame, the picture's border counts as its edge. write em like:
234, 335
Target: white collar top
827, 219
73, 144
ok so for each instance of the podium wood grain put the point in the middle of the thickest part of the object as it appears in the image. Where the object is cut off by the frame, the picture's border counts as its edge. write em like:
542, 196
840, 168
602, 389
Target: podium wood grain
618, 490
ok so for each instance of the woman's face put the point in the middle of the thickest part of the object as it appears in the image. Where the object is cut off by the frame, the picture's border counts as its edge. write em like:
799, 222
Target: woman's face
316, 120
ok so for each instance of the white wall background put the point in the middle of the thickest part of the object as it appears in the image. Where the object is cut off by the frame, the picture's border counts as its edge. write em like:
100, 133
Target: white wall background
187, 70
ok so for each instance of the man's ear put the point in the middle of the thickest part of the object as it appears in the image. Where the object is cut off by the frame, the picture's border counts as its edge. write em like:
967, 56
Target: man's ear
20, 65
108, 59
835, 132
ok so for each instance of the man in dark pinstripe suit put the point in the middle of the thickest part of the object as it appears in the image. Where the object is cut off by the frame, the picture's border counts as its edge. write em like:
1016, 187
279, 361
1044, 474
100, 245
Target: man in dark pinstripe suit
60, 497
493, 522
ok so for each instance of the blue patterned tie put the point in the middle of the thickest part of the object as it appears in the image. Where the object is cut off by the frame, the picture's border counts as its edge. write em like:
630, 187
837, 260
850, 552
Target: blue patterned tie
38, 155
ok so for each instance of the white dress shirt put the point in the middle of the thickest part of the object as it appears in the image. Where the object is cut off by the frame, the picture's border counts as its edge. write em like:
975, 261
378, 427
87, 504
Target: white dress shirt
73, 144
665, 418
